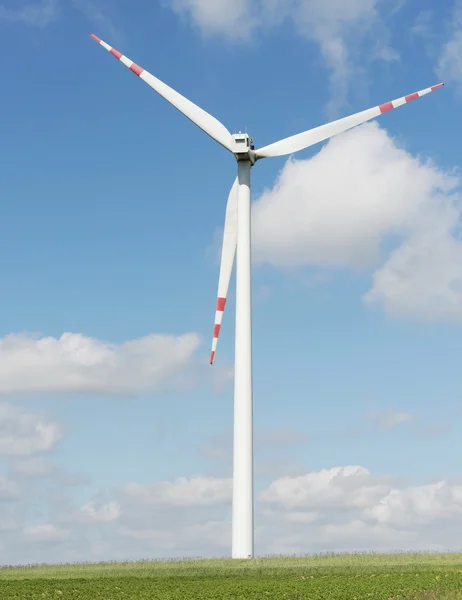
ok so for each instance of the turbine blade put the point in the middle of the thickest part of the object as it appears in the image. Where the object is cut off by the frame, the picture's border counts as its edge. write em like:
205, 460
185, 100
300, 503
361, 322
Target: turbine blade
228, 253
319, 134
198, 116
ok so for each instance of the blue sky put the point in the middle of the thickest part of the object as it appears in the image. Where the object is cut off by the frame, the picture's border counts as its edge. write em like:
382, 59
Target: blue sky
113, 205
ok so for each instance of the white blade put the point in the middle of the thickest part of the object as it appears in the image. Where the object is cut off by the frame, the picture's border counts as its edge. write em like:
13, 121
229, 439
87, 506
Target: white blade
319, 134
228, 253
202, 119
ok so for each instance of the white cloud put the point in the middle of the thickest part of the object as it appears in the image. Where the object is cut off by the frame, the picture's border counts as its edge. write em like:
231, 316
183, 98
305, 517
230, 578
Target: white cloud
341, 508
232, 18
349, 509
341, 487
336, 208
361, 194
46, 533
103, 513
196, 491
449, 66
377, 500
36, 14
75, 363
23, 433
339, 29
418, 505
422, 278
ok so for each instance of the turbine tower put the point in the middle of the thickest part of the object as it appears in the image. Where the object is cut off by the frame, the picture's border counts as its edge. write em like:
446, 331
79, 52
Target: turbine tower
237, 243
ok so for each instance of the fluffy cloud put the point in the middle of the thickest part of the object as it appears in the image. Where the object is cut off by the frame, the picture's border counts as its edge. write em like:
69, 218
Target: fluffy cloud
232, 18
423, 277
80, 364
419, 505
336, 208
340, 487
197, 491
98, 513
338, 28
359, 196
37, 14
342, 508
23, 433
46, 533
449, 65
350, 509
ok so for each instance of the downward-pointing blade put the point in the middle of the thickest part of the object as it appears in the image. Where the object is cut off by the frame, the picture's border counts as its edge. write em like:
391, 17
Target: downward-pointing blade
228, 253
319, 134
197, 115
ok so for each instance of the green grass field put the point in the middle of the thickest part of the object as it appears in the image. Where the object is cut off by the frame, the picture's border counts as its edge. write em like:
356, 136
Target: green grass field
342, 577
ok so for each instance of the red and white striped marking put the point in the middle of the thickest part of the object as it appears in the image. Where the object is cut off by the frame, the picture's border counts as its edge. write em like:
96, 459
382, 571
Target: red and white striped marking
383, 108
123, 59
287, 146
228, 253
310, 137
221, 303
217, 131
212, 127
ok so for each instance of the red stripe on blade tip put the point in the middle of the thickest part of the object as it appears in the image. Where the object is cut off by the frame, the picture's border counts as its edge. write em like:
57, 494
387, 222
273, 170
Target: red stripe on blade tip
136, 69
95, 37
212, 357
436, 87
386, 107
116, 53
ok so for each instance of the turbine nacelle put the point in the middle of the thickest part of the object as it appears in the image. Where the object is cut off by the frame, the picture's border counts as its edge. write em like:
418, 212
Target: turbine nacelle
242, 147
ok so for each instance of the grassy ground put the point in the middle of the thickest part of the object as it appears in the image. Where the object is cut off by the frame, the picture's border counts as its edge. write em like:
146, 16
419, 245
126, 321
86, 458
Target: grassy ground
347, 577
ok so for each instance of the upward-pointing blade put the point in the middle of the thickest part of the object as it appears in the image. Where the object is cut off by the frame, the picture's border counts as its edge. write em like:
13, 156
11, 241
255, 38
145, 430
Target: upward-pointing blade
197, 115
319, 134
227, 260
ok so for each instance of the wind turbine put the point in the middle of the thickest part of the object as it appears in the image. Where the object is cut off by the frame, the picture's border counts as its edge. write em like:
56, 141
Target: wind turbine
236, 242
